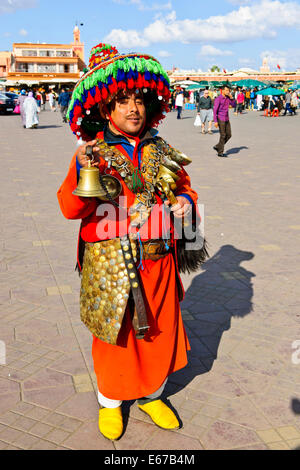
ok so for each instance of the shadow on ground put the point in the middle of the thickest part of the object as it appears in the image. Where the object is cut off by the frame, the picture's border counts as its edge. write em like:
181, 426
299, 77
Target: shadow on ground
48, 127
295, 406
222, 291
236, 150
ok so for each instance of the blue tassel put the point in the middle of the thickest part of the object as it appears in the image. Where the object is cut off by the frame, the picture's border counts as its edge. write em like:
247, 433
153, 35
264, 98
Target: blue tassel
120, 76
164, 224
148, 76
109, 80
93, 91
141, 253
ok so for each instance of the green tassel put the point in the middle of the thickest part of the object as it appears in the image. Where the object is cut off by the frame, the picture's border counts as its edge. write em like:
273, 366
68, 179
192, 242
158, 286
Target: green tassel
137, 181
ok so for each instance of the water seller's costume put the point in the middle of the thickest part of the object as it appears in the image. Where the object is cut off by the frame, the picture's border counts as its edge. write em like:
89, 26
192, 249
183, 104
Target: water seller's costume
128, 254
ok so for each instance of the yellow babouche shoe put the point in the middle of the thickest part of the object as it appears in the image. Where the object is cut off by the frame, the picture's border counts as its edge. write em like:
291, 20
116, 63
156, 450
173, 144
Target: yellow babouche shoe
111, 423
160, 414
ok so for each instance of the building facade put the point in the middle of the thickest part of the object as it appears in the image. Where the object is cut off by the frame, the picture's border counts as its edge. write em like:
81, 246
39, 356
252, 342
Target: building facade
5, 61
41, 62
264, 74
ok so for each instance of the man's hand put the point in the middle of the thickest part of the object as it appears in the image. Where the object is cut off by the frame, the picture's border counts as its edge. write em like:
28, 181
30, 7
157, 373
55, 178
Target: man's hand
182, 208
216, 125
83, 159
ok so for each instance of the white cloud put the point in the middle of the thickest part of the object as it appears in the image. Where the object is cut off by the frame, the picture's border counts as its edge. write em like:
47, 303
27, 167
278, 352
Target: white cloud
288, 60
23, 32
259, 20
127, 39
208, 50
9, 6
240, 2
164, 54
143, 7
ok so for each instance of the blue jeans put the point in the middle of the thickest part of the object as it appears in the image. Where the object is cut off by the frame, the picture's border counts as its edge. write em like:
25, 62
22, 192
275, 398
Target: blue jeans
179, 111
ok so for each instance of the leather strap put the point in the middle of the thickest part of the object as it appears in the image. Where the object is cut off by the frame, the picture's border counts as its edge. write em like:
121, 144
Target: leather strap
140, 322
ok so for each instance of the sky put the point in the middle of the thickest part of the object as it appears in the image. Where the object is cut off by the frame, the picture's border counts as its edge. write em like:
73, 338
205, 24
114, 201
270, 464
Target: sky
189, 34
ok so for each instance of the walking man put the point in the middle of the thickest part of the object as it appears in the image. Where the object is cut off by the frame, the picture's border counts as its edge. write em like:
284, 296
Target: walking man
179, 103
63, 102
288, 99
221, 118
205, 108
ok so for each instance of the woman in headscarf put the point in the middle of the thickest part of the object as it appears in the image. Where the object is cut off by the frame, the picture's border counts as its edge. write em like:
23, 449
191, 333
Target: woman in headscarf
20, 102
31, 110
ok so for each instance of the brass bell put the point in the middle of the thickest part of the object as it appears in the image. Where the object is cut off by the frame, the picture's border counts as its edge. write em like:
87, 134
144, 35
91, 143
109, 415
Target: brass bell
89, 182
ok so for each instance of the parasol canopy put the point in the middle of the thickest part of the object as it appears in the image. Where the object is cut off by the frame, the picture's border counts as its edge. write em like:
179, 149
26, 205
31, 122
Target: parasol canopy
271, 91
248, 83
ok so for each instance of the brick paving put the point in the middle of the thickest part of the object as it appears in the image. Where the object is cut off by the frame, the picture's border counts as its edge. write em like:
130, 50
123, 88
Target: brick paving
242, 311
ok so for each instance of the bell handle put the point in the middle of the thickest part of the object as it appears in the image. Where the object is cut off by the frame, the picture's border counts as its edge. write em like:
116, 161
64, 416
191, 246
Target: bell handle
90, 155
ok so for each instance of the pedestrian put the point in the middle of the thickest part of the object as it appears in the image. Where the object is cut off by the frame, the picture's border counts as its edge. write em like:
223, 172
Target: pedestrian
20, 102
128, 274
44, 100
205, 109
31, 111
63, 102
38, 98
51, 99
179, 101
253, 103
240, 102
221, 118
288, 99
259, 102
294, 102
247, 98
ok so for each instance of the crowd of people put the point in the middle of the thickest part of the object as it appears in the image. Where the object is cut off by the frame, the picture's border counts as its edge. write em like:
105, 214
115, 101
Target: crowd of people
213, 107
30, 103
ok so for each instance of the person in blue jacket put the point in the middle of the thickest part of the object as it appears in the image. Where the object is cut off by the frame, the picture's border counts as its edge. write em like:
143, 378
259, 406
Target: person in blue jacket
63, 101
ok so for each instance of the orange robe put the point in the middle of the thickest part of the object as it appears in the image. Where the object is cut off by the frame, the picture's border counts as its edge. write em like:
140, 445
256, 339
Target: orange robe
135, 368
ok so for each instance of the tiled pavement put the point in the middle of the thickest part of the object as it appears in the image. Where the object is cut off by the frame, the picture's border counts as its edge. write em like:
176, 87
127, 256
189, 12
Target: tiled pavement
241, 389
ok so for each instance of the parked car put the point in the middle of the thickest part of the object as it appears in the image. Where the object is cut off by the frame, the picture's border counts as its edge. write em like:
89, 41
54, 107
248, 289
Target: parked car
7, 105
12, 96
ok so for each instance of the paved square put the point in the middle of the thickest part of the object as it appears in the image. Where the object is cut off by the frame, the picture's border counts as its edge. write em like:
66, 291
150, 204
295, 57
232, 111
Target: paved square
241, 389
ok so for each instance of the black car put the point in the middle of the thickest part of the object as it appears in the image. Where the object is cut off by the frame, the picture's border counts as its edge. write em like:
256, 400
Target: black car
7, 105
12, 96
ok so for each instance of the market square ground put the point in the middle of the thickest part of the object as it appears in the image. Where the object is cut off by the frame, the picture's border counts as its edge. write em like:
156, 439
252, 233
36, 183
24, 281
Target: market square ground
242, 311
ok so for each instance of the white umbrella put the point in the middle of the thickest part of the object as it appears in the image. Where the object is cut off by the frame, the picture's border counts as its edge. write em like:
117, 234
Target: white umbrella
185, 82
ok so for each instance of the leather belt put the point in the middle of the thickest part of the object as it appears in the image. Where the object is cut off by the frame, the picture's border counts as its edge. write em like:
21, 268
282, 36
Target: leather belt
140, 322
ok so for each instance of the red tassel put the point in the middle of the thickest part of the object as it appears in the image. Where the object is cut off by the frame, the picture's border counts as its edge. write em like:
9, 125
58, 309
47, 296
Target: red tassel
139, 82
122, 85
90, 101
77, 111
130, 84
104, 93
114, 87
160, 85
146, 84
98, 96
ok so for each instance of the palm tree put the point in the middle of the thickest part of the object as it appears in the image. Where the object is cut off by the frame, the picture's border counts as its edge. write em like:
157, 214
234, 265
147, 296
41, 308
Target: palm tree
215, 68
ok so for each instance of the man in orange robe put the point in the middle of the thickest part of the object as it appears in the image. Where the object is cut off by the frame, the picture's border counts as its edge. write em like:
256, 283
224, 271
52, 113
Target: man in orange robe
127, 104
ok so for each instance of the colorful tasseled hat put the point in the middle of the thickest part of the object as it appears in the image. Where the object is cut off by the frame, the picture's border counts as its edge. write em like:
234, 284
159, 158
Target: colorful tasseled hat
108, 73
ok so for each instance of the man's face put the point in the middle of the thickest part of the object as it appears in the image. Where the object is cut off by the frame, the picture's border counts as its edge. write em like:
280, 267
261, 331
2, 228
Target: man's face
129, 113
226, 91
206, 94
